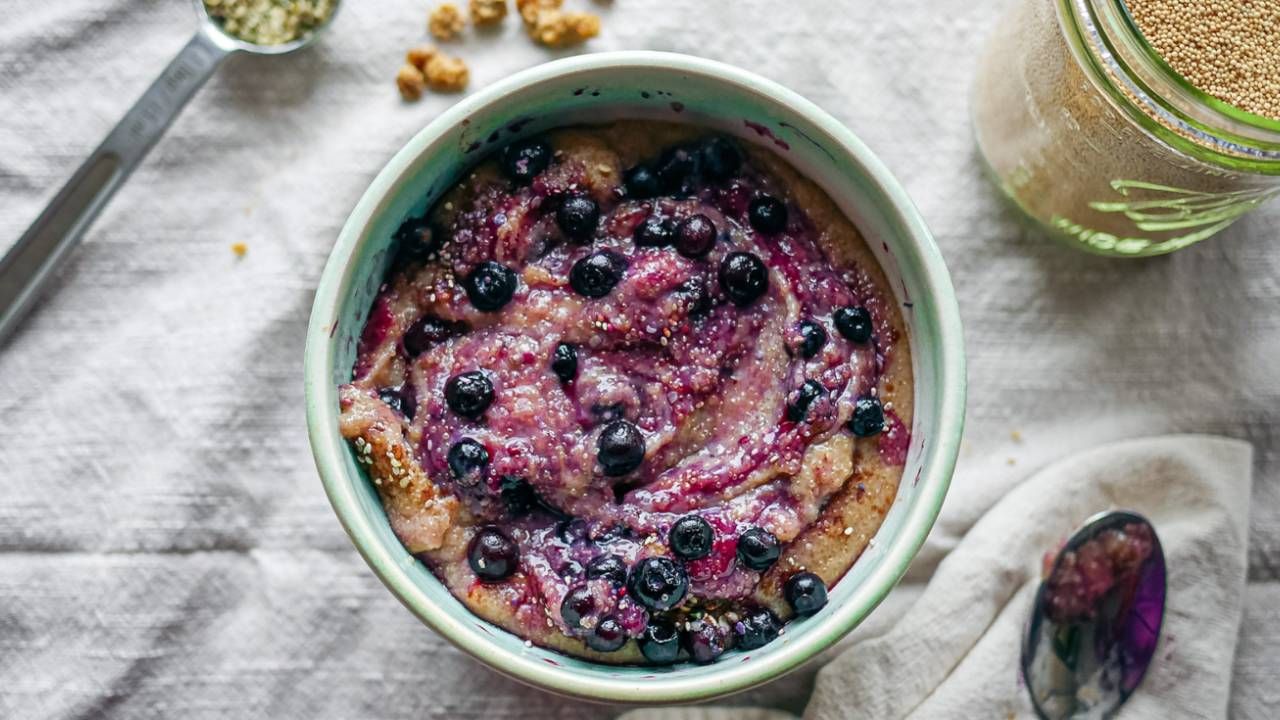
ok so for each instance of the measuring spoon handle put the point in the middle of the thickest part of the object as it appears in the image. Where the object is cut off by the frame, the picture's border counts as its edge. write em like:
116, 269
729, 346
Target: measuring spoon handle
29, 265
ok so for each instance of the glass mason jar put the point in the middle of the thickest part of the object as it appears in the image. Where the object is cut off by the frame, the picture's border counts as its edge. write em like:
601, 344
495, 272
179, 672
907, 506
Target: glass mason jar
1087, 129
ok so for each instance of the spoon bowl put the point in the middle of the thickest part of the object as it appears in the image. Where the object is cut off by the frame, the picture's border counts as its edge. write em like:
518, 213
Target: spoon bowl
1096, 619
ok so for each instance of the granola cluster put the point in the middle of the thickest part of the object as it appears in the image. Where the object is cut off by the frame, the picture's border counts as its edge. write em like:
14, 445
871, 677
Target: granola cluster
545, 22
446, 22
426, 67
485, 13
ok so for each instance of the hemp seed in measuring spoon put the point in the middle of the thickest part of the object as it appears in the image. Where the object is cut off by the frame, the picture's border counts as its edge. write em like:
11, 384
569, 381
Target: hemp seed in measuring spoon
270, 22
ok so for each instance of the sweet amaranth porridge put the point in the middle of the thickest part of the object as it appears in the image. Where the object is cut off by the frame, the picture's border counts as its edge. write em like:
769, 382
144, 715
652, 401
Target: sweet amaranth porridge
634, 392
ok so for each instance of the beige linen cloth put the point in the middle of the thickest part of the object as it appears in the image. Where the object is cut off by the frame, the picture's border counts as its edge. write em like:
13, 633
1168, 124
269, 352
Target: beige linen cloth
166, 550
954, 653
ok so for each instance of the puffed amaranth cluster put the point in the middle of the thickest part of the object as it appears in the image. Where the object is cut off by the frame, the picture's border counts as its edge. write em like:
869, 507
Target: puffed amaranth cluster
426, 67
446, 22
545, 22
486, 13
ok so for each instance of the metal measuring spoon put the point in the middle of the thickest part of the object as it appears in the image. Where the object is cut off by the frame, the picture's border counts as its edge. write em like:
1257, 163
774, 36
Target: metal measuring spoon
31, 262
1096, 619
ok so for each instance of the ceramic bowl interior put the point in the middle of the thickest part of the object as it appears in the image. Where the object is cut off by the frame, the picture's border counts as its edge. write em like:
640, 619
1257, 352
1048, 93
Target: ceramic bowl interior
596, 89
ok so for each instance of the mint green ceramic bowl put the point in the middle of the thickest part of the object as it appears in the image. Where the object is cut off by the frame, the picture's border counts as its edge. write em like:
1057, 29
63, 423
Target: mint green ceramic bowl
593, 89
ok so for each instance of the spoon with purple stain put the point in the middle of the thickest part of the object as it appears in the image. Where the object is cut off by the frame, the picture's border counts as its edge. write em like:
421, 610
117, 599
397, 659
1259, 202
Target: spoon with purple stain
1096, 619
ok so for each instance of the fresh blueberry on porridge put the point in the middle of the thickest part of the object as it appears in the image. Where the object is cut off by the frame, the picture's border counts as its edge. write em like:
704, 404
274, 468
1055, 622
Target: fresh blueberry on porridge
638, 393
757, 629
659, 642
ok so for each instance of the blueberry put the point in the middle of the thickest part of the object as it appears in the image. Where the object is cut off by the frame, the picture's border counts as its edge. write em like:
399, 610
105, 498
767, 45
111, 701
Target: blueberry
577, 604
469, 394
767, 214
641, 183
577, 217
695, 236
676, 169
694, 292
660, 642
467, 461
655, 231
392, 398
868, 417
691, 537
596, 274
813, 337
608, 567
806, 593
427, 331
523, 160
571, 530
854, 323
798, 403
490, 286
409, 398
758, 549
721, 159
418, 238
605, 533
620, 448
757, 629
564, 362
492, 555
743, 278
705, 642
518, 495
609, 636
658, 583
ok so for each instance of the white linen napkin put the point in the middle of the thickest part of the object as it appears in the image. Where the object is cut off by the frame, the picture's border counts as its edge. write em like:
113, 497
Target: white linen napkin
954, 653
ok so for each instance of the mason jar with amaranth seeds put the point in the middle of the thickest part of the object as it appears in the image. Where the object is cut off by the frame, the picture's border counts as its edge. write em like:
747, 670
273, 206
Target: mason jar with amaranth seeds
1133, 127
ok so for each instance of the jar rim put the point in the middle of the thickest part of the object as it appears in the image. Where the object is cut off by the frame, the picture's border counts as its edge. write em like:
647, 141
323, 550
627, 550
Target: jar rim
1160, 99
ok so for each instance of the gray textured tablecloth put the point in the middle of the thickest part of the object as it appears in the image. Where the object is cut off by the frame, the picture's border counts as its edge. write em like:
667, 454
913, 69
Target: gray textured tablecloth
166, 547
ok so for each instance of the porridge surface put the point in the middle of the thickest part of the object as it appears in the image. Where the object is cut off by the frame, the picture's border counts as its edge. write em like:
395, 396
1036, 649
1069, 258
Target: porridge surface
634, 382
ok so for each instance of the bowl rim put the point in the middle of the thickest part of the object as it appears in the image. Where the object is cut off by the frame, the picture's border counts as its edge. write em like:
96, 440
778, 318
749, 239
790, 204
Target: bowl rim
937, 465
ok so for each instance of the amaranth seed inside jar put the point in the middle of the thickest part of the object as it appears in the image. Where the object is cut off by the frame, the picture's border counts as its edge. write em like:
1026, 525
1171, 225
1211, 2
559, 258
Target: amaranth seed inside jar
1230, 49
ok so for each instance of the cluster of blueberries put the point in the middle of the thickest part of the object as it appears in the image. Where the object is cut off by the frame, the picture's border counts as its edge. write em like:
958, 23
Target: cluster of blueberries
743, 278
658, 583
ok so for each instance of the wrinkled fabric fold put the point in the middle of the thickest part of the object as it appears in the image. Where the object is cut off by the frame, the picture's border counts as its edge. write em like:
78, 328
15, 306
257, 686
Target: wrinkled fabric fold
166, 548
955, 652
